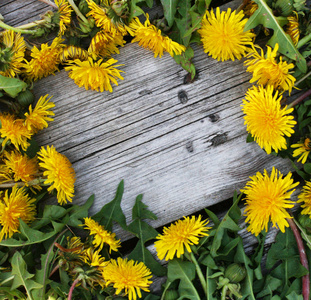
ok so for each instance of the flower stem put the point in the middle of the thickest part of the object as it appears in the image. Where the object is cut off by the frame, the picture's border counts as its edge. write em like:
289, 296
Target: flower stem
303, 259
31, 25
8, 27
300, 98
199, 272
77, 11
304, 40
224, 292
76, 281
302, 78
9, 184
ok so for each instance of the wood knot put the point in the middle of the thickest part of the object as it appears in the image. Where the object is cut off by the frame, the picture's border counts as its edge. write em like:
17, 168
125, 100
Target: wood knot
219, 139
182, 96
189, 146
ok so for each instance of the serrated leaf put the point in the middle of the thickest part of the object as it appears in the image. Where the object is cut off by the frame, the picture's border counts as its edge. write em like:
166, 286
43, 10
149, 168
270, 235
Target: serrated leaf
12, 86
169, 9
32, 236
112, 211
185, 61
144, 232
271, 284
185, 272
264, 16
21, 276
247, 286
135, 10
229, 221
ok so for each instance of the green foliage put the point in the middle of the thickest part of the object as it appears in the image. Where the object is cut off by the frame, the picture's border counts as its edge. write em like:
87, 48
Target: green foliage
112, 211
264, 16
12, 86
144, 232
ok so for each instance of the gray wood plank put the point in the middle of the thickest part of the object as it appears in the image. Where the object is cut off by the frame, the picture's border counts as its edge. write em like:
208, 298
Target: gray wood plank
183, 153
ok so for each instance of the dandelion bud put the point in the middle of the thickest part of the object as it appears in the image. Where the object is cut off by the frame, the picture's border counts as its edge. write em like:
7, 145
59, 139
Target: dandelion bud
235, 273
83, 7
86, 27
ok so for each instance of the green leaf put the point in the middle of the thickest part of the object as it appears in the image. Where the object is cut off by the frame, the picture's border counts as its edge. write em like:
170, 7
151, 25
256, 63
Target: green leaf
185, 272
7, 294
294, 296
32, 236
169, 8
247, 286
21, 275
135, 10
264, 15
228, 222
185, 61
112, 211
307, 168
271, 285
144, 232
12, 86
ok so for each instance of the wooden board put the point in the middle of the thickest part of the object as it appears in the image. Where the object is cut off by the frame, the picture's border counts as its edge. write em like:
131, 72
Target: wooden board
181, 145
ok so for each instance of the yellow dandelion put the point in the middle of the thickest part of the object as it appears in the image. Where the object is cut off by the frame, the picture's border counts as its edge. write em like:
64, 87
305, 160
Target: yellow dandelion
23, 167
5, 173
101, 235
93, 258
106, 23
266, 121
292, 28
303, 150
250, 8
17, 205
267, 198
223, 35
128, 276
38, 117
267, 71
179, 236
64, 12
104, 44
45, 61
59, 172
13, 130
305, 198
72, 52
150, 37
96, 75
12, 50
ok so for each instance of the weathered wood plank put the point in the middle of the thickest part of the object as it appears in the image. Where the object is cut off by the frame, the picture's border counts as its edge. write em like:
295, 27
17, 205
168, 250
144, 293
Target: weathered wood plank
183, 153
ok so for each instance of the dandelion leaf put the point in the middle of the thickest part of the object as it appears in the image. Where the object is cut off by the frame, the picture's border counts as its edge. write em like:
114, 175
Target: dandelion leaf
112, 211
31, 236
135, 10
169, 7
21, 276
8, 294
264, 16
12, 86
185, 272
144, 232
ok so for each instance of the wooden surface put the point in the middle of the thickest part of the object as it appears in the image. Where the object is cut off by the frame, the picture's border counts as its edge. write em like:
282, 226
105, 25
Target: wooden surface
181, 145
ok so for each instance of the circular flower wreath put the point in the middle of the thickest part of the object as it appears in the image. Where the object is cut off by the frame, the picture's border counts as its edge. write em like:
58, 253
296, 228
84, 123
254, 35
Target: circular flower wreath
88, 35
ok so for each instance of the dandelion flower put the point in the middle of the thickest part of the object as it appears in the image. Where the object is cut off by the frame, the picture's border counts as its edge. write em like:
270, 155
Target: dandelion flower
64, 12
106, 23
37, 118
266, 121
12, 50
96, 75
72, 52
150, 37
223, 35
250, 8
101, 235
17, 205
93, 258
179, 236
59, 172
5, 173
292, 28
45, 61
267, 198
104, 44
128, 275
267, 71
303, 149
13, 130
305, 198
23, 167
